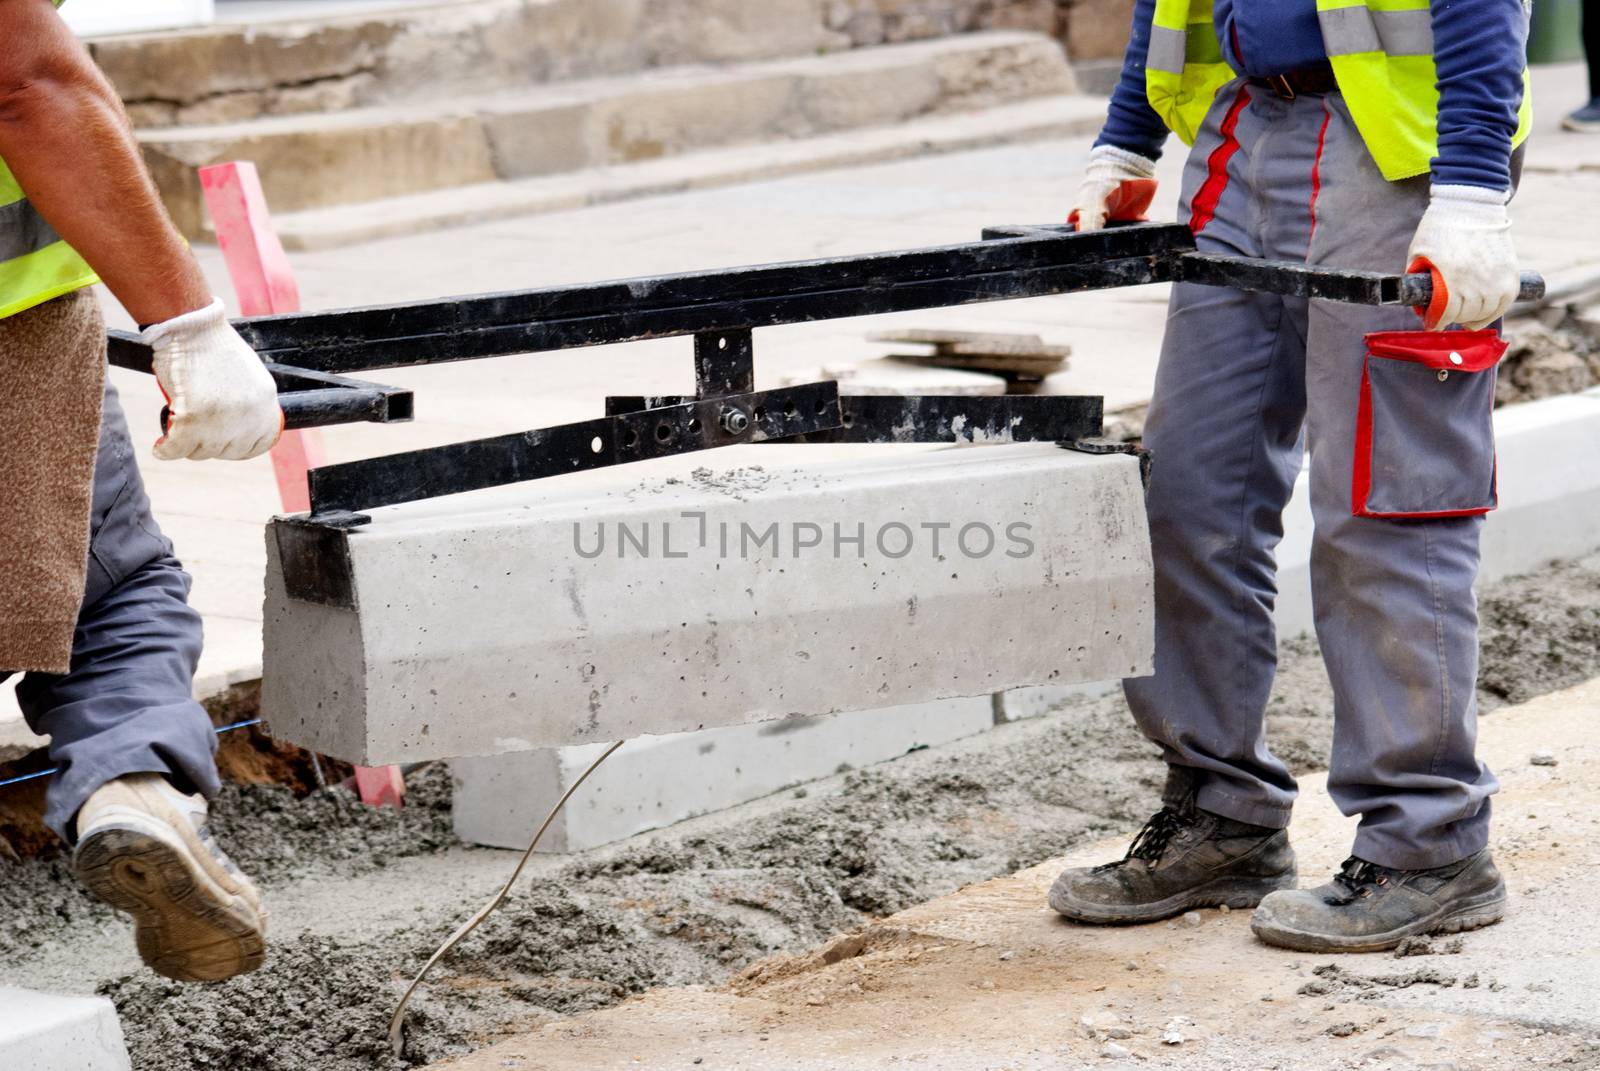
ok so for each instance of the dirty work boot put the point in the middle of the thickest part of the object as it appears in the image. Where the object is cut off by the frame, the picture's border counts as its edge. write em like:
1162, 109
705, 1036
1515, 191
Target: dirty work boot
144, 848
1182, 859
1368, 908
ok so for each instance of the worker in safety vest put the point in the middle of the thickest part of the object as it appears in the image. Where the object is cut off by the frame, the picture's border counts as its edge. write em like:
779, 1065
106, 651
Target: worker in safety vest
1378, 135
93, 605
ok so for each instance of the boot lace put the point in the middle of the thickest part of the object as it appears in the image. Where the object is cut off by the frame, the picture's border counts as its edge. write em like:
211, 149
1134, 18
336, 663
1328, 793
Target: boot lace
1151, 841
1356, 878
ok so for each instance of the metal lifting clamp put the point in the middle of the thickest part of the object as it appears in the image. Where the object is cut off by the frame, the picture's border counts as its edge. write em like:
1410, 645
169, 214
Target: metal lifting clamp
311, 354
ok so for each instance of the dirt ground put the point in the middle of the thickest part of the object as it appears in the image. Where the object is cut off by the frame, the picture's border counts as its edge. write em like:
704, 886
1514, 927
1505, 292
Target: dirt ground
989, 978
360, 898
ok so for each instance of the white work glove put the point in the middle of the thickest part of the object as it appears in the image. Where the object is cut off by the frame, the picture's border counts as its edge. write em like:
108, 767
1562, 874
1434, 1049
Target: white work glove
1098, 195
1465, 235
223, 400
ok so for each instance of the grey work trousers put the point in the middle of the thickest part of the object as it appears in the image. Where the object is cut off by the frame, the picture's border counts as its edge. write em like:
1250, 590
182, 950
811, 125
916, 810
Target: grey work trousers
1241, 376
127, 704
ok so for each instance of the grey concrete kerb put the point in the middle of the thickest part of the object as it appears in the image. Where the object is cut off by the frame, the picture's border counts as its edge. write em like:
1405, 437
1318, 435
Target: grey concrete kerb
45, 1032
796, 588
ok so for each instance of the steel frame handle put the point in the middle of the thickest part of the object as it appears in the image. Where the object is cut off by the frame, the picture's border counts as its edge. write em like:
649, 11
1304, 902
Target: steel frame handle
1416, 288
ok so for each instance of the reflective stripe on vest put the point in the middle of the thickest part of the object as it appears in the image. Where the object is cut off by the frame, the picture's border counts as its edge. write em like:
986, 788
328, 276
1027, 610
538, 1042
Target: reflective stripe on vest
1382, 57
35, 264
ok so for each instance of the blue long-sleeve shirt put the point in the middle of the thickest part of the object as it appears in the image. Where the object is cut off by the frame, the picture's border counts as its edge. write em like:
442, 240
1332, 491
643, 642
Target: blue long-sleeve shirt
1480, 49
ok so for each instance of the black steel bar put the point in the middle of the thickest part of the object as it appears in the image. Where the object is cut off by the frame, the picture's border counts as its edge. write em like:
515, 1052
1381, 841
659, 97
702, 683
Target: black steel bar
937, 418
700, 424
1328, 284
323, 408
740, 298
1416, 289
124, 350
724, 363
956, 418
1288, 277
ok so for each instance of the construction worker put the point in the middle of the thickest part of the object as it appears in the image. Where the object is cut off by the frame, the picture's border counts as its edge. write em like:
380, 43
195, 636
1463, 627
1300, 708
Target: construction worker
93, 605
1343, 134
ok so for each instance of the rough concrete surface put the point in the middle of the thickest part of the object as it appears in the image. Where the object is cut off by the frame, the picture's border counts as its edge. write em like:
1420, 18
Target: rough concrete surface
990, 978
359, 898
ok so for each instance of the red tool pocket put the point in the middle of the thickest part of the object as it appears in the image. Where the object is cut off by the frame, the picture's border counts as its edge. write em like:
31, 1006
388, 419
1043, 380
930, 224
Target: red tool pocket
1424, 428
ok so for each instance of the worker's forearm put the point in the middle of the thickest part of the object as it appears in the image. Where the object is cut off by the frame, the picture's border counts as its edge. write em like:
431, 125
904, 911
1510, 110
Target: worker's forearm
66, 139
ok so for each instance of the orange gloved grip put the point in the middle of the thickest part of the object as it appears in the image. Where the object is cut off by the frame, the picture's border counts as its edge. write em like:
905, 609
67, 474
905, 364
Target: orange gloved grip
1441, 294
1129, 203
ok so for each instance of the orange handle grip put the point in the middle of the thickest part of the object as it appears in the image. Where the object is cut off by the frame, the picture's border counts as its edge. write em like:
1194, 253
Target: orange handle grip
1434, 312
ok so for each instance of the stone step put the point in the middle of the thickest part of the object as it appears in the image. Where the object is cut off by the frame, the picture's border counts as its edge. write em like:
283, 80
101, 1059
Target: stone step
800, 584
248, 69
376, 153
1047, 117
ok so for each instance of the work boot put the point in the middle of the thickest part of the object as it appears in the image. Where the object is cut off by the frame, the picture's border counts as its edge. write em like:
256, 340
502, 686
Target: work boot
1369, 908
1586, 120
1184, 858
144, 848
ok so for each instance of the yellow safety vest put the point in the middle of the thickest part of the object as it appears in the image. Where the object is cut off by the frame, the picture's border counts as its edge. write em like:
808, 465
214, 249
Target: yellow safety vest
35, 264
1382, 57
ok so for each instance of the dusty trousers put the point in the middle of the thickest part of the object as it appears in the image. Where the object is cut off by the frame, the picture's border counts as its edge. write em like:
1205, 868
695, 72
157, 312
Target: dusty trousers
126, 704
1247, 382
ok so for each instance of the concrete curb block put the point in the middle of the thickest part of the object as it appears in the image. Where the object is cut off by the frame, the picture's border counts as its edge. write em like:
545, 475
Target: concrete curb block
655, 781
495, 630
46, 1032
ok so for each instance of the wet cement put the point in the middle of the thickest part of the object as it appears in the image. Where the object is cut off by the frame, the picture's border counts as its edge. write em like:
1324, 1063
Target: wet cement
692, 904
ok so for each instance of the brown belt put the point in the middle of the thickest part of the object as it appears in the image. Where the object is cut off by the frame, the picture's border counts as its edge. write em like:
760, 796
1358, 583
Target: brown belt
1317, 78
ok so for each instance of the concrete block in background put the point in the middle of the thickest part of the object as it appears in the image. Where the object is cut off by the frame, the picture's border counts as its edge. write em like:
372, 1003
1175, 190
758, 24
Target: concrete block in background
475, 626
657, 780
46, 1032
1549, 464
1019, 704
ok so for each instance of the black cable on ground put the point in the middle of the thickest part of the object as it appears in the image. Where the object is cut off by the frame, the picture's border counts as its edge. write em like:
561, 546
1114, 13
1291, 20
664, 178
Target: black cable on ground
397, 1021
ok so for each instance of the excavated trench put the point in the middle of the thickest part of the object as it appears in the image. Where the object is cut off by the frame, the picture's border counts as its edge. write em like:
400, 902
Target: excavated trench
692, 904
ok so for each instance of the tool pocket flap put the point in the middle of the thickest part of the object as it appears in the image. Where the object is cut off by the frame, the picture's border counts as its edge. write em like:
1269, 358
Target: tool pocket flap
1425, 432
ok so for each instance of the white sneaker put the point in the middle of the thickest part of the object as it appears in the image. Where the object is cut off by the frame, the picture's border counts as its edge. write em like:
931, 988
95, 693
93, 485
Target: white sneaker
144, 848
